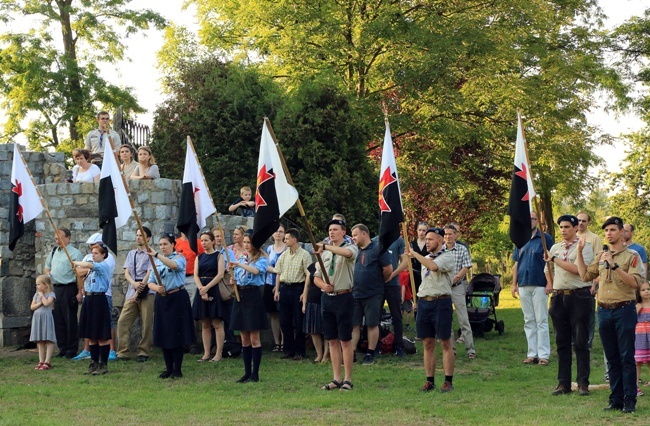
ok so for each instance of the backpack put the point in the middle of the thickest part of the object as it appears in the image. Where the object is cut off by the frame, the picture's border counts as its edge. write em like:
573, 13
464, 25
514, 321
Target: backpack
388, 343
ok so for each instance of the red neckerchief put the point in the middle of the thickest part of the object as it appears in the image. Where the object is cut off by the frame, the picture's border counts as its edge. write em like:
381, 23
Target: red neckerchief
567, 246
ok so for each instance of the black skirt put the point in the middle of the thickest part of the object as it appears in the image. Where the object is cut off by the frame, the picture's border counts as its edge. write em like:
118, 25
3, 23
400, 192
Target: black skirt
95, 318
173, 325
249, 314
207, 310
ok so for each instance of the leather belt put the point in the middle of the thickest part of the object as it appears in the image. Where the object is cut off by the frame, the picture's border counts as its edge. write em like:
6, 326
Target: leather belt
568, 292
175, 290
93, 293
247, 287
615, 305
66, 284
432, 298
337, 293
297, 284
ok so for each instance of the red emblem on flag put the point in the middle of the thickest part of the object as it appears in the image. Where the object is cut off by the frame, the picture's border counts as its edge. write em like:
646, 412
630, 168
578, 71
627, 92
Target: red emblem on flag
386, 179
18, 189
262, 177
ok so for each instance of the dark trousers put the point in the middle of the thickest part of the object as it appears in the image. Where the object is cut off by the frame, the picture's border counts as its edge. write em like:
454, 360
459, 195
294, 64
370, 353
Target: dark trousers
66, 327
393, 295
570, 314
616, 327
291, 319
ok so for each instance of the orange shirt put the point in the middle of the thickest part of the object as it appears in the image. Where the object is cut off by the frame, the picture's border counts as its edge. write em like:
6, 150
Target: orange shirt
183, 247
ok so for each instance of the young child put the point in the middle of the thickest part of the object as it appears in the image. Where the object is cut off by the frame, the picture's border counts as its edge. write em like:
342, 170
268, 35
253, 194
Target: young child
642, 332
43, 322
244, 203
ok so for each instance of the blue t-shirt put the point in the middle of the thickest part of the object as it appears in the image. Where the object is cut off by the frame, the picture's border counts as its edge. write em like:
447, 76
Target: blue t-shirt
641, 250
396, 250
530, 258
171, 278
368, 274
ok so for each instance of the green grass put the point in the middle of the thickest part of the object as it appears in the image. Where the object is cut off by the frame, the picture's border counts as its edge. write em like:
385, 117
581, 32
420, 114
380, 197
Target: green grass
495, 388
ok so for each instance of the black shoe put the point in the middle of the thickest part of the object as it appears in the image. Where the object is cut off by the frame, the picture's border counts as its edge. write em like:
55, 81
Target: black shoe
629, 408
165, 374
612, 407
297, 357
583, 390
287, 356
60, 354
101, 369
70, 355
254, 379
561, 390
176, 375
142, 358
92, 367
244, 379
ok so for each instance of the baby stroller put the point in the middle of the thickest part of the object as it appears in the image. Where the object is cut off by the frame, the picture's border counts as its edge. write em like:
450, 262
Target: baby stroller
482, 299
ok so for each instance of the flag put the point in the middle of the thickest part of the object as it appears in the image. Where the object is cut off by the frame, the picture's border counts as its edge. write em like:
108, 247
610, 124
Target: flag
24, 202
196, 203
390, 196
521, 193
274, 195
114, 204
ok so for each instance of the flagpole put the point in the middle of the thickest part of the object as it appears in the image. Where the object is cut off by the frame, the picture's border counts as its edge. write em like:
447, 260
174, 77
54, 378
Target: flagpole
137, 217
410, 265
300, 208
223, 234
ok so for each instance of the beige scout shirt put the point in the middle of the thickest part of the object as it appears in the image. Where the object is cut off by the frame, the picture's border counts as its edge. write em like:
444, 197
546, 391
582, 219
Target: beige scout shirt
292, 266
438, 283
342, 271
563, 279
596, 242
611, 288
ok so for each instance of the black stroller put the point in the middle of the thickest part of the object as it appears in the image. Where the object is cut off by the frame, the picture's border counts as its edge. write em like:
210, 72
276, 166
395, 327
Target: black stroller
482, 299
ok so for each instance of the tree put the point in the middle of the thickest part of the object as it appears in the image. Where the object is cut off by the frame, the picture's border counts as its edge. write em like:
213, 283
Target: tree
61, 86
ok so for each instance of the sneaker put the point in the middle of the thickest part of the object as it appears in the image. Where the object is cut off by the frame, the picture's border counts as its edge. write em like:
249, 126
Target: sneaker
639, 392
560, 390
82, 355
101, 369
428, 387
447, 387
112, 356
629, 408
368, 359
92, 367
399, 352
607, 377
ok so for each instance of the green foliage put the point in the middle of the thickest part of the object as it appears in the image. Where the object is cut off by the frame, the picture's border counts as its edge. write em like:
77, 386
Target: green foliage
51, 73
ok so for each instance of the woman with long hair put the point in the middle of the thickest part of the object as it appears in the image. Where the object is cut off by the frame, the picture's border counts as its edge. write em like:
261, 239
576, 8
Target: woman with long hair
127, 163
248, 315
270, 298
237, 246
146, 168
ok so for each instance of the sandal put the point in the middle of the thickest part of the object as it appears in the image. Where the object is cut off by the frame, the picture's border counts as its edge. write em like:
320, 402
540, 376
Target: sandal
332, 385
45, 366
346, 386
276, 348
543, 361
530, 360
38, 366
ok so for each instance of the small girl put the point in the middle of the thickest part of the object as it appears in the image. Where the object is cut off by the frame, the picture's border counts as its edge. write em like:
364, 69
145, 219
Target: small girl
642, 332
43, 322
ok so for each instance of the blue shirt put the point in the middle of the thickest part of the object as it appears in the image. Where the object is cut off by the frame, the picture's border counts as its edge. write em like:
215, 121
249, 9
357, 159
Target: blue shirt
530, 261
641, 250
396, 250
368, 271
98, 279
273, 260
171, 278
245, 278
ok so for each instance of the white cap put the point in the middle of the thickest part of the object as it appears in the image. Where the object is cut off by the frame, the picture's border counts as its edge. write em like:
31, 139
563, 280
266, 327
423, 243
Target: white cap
95, 238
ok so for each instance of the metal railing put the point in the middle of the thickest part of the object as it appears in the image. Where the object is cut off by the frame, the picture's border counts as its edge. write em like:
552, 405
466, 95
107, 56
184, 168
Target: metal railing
130, 131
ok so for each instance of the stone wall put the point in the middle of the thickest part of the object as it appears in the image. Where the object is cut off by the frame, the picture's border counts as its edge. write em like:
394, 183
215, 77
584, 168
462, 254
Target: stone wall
75, 206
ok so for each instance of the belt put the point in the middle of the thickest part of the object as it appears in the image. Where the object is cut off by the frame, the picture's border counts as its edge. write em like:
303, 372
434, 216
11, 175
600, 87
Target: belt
615, 305
432, 298
63, 285
207, 278
568, 292
175, 290
247, 287
336, 293
297, 284
189, 275
94, 293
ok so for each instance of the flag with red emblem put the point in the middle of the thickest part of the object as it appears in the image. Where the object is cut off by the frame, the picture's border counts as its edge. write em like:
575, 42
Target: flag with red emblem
521, 193
390, 196
196, 203
274, 195
25, 201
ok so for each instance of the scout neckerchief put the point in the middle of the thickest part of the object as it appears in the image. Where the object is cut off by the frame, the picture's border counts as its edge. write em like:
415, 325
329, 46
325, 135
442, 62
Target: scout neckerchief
567, 246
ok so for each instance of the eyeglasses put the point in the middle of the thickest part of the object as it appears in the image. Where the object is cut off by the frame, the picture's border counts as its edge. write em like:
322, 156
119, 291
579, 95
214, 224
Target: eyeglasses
583, 221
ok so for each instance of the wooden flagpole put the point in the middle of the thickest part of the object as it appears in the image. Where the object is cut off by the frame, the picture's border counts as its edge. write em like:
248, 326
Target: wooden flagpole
300, 208
223, 234
410, 264
137, 217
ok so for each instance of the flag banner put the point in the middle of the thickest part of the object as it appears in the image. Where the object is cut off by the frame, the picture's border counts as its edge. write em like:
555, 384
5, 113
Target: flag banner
114, 204
390, 196
521, 193
24, 203
196, 204
274, 195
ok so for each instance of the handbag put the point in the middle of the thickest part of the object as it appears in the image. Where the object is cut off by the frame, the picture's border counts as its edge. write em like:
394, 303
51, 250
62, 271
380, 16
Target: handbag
226, 290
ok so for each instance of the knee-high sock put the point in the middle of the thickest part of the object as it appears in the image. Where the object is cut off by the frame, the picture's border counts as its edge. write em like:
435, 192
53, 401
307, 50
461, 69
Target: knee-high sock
247, 354
257, 358
178, 359
169, 359
104, 351
94, 352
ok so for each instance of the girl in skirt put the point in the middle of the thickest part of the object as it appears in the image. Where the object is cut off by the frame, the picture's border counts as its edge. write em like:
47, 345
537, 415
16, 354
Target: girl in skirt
173, 327
249, 315
95, 318
43, 322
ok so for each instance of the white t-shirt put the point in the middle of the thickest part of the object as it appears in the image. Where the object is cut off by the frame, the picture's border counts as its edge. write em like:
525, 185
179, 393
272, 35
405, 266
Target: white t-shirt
87, 176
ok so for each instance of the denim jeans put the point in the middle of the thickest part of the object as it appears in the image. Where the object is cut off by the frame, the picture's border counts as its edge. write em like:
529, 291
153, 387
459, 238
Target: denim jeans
570, 314
616, 327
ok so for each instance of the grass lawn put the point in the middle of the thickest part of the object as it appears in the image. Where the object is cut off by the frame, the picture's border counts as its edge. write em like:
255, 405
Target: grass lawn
495, 388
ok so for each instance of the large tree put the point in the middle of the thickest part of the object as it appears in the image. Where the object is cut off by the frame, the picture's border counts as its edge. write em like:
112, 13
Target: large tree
51, 69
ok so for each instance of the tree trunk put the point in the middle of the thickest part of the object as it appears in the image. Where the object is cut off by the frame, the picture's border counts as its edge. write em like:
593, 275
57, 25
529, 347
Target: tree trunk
75, 92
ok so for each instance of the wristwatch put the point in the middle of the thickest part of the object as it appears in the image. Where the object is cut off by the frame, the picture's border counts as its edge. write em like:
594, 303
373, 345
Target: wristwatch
553, 259
615, 267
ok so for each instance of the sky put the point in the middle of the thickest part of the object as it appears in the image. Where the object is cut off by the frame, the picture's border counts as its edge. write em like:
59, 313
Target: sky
142, 49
